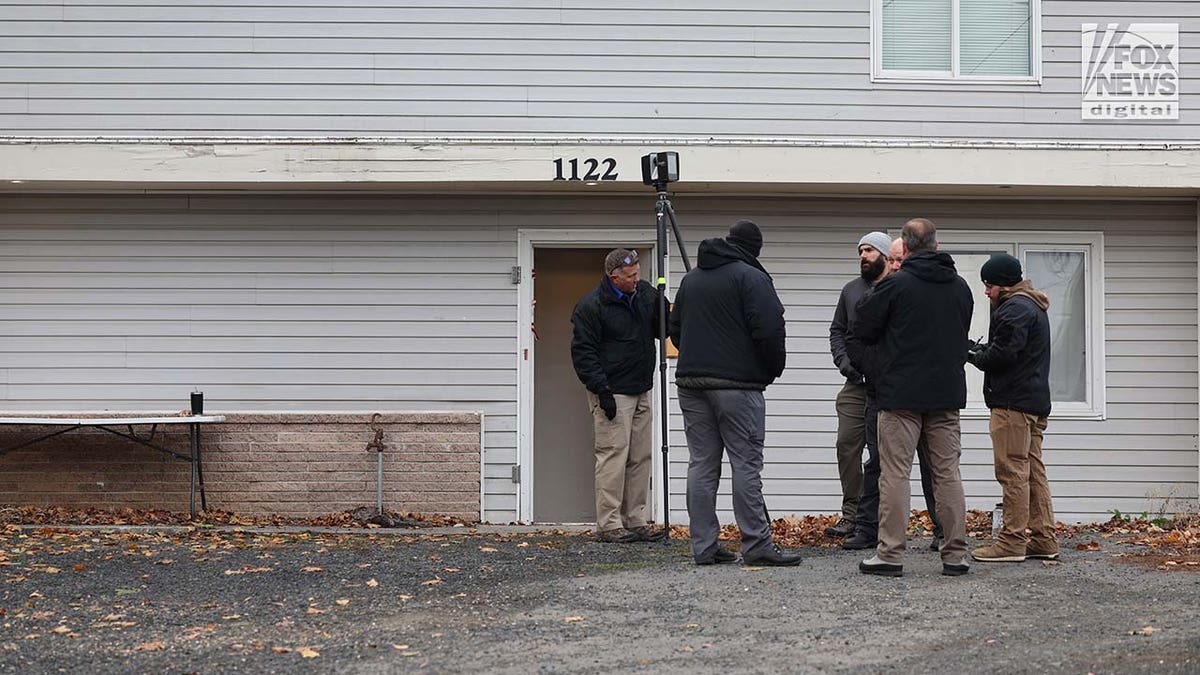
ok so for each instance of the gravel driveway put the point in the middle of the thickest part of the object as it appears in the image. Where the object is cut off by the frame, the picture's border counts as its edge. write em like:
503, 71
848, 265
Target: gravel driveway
208, 601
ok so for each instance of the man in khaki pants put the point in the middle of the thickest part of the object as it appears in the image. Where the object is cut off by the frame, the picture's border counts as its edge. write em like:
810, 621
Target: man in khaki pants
918, 317
612, 348
1016, 387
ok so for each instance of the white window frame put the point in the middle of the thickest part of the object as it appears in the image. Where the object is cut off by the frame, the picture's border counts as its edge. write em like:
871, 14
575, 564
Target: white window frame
878, 74
1018, 243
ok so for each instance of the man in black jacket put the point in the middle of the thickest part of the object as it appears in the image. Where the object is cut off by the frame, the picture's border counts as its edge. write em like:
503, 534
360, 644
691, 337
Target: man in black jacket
918, 318
866, 524
612, 348
728, 325
1016, 387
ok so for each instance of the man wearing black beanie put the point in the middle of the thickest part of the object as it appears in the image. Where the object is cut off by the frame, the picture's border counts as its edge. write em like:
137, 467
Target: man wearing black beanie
746, 235
1016, 387
728, 325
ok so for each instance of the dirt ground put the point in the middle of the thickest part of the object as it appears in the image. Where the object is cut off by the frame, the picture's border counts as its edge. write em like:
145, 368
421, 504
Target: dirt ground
107, 600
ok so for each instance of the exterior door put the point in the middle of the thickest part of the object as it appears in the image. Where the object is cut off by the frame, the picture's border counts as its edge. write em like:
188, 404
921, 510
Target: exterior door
564, 483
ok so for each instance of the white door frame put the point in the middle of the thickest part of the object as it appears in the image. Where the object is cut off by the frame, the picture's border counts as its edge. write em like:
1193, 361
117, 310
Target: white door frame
527, 239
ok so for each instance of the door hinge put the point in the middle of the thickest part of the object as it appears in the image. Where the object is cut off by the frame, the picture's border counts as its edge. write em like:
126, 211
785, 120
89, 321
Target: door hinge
515, 275
516, 473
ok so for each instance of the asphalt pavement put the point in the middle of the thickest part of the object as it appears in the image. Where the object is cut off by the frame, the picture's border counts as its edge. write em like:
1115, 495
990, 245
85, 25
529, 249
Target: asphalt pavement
269, 600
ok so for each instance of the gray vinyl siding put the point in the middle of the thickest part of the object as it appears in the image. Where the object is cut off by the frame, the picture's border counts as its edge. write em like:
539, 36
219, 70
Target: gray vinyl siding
327, 302
757, 68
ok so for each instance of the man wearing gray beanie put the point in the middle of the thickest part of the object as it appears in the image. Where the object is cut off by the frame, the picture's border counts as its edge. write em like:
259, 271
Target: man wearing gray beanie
852, 399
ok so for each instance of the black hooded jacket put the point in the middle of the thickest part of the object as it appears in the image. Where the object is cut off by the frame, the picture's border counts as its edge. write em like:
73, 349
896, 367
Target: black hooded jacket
727, 322
1016, 360
918, 318
612, 346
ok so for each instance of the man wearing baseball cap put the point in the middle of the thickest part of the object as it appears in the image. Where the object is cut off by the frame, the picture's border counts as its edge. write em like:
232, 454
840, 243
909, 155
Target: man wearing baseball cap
851, 401
1016, 387
612, 349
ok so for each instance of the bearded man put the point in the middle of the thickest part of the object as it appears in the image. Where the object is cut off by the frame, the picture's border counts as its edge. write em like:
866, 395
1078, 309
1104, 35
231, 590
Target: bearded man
851, 403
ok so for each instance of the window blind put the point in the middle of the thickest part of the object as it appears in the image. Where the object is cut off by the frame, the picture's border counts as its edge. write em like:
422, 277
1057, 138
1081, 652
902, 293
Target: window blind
993, 37
916, 35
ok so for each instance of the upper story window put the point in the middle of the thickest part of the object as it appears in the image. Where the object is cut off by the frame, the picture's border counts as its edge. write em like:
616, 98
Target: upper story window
956, 40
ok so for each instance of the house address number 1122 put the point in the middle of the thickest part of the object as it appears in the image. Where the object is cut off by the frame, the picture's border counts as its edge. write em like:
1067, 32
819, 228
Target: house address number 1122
591, 169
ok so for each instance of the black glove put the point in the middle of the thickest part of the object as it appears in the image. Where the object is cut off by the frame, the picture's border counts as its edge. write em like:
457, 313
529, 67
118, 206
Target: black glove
973, 355
850, 373
609, 405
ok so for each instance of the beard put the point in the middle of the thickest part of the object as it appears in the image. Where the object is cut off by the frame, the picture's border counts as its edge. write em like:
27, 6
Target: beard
872, 270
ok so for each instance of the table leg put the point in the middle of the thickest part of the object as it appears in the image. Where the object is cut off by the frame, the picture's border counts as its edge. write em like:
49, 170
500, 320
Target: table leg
192, 440
200, 467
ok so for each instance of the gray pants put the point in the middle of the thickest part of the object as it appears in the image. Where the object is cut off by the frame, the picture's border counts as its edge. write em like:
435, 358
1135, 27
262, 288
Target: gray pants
733, 421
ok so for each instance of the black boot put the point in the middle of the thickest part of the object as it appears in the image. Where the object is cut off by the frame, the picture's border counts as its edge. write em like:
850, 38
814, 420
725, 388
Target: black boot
774, 557
861, 539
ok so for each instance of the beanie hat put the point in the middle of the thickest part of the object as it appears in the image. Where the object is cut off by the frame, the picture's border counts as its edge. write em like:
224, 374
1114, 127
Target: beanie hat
1001, 270
879, 241
745, 233
618, 258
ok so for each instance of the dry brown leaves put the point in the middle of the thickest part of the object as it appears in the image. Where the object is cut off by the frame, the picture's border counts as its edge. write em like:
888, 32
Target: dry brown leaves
795, 531
1172, 546
1180, 534
65, 515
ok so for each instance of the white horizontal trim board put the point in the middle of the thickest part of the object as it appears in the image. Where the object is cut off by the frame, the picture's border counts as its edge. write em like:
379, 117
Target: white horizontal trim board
308, 302
530, 166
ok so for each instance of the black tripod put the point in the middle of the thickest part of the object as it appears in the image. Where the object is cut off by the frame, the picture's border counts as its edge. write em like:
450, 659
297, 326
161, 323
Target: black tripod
663, 213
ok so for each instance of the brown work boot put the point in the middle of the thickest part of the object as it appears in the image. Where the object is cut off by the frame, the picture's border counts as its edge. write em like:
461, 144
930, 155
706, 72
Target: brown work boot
645, 533
1038, 553
619, 535
995, 553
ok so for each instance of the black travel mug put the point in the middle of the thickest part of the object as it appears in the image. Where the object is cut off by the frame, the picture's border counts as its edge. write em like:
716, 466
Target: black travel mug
197, 403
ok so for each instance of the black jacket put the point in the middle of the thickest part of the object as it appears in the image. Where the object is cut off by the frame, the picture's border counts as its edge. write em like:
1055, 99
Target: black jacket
727, 322
918, 317
612, 345
863, 358
843, 315
1016, 360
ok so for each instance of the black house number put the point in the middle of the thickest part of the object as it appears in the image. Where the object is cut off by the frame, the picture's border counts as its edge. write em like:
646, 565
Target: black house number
591, 169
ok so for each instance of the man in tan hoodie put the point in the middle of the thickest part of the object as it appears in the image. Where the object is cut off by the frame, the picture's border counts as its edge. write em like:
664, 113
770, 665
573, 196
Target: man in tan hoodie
1016, 387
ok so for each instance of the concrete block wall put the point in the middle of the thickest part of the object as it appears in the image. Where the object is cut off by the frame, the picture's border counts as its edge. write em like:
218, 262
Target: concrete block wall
294, 465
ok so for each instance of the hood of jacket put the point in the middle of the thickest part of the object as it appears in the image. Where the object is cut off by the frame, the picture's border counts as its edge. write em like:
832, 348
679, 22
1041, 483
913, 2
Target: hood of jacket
717, 252
932, 266
1026, 289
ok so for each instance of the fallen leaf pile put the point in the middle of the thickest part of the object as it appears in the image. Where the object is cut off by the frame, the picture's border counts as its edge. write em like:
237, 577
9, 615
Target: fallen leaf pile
1178, 536
1175, 544
795, 531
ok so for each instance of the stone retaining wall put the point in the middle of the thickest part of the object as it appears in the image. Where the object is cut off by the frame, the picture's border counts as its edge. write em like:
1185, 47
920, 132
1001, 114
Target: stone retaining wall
297, 465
